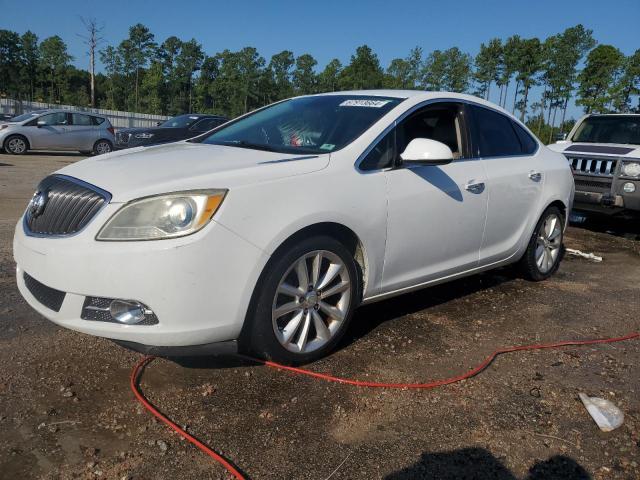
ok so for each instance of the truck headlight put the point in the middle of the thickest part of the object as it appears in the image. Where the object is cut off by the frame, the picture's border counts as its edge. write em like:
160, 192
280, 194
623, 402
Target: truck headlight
163, 216
631, 169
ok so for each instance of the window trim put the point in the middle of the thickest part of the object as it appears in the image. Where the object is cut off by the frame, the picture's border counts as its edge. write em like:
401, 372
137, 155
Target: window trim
469, 125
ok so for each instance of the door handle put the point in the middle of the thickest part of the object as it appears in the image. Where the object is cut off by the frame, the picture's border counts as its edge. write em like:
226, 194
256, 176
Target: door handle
474, 187
535, 176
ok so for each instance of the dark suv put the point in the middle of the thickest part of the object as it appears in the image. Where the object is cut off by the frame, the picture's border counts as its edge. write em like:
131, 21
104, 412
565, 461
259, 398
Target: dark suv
176, 128
604, 152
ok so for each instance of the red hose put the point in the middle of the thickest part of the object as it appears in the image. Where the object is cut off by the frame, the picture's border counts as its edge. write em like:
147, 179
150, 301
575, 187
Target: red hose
137, 371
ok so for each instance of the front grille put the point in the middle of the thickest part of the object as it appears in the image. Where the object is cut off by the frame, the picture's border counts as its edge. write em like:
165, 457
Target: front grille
122, 137
97, 309
593, 185
593, 166
67, 206
47, 296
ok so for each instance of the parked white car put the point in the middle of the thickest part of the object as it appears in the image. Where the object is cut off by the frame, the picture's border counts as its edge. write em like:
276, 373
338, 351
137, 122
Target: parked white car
266, 233
57, 130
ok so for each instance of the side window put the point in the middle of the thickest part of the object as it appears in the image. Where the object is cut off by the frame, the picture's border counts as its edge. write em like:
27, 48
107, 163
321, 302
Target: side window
59, 118
79, 119
495, 135
440, 122
382, 155
528, 144
97, 120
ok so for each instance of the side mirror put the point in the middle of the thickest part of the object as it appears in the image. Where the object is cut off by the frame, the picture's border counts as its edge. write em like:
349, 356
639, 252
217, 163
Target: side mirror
158, 124
41, 123
560, 137
424, 151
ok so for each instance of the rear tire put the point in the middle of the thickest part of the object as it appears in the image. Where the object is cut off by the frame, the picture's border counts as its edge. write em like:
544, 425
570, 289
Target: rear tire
16, 145
545, 250
316, 283
102, 146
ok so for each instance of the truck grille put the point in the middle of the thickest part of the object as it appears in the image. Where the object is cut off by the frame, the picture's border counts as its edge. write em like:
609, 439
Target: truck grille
67, 205
593, 166
122, 138
47, 296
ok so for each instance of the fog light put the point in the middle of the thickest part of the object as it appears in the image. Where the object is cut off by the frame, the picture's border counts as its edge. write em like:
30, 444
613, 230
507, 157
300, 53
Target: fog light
126, 311
629, 187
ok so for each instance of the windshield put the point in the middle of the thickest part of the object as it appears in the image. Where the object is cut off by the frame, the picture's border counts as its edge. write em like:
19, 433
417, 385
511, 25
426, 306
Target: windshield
26, 116
314, 125
613, 129
182, 121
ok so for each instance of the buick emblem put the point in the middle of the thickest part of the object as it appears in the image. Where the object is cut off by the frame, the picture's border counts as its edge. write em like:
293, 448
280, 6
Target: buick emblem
37, 203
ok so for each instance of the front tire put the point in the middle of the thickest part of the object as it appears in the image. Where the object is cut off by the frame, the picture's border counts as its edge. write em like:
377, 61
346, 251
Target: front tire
303, 302
545, 250
16, 145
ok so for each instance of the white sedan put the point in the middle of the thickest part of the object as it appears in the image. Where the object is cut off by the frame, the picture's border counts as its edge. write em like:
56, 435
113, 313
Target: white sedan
265, 234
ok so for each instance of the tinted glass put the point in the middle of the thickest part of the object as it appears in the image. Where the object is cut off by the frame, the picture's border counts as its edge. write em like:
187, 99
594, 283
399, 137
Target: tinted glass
79, 119
613, 129
382, 155
181, 121
206, 124
59, 118
527, 142
97, 120
494, 133
315, 125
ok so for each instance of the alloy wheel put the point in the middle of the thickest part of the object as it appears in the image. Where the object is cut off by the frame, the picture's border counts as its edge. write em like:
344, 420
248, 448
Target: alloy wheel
16, 145
102, 148
548, 243
311, 301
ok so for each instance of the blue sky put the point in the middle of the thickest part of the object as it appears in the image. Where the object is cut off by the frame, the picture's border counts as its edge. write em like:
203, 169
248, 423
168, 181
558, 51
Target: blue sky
328, 28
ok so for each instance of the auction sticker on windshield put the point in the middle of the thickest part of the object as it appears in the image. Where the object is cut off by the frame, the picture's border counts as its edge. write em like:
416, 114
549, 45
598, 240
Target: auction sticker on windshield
364, 103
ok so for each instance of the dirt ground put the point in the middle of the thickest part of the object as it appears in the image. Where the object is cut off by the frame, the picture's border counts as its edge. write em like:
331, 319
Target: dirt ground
66, 410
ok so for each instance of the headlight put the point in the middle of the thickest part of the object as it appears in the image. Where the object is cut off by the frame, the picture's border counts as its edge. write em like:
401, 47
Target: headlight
143, 135
631, 169
164, 216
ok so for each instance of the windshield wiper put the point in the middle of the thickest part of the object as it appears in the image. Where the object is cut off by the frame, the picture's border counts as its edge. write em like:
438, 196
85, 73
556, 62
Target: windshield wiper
245, 144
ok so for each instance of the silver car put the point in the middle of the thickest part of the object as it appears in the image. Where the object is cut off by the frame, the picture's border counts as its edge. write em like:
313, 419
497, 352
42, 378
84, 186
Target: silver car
57, 130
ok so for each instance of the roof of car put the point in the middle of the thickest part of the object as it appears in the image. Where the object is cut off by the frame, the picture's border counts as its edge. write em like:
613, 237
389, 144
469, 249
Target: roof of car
57, 110
421, 95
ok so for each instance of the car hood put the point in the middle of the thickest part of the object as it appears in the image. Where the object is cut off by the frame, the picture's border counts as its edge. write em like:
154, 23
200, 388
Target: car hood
605, 149
144, 171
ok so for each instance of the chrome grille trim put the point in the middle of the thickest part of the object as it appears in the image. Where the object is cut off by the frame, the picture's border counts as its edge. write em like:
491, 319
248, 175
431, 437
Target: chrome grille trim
71, 205
601, 167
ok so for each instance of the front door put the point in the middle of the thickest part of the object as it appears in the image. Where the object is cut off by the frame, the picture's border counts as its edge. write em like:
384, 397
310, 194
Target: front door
515, 178
436, 214
49, 131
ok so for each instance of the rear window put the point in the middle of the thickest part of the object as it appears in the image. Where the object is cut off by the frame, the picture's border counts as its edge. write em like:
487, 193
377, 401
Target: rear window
97, 120
495, 135
80, 119
528, 144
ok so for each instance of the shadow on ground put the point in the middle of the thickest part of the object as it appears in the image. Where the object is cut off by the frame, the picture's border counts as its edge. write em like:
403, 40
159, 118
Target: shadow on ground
620, 227
480, 464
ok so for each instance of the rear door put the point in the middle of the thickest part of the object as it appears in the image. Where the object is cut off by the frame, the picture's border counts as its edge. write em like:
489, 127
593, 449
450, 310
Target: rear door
514, 181
48, 131
81, 133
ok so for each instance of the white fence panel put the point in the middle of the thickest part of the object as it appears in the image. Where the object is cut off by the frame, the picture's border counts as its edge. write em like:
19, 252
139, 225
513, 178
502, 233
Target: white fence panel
117, 118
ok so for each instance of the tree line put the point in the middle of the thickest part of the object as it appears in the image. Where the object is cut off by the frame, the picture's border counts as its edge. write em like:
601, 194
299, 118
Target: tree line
176, 76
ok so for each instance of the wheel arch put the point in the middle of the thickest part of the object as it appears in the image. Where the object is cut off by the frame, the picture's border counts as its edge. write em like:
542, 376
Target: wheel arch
340, 232
21, 135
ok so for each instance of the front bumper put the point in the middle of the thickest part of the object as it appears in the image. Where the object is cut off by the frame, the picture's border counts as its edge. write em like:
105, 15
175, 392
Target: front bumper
198, 286
610, 198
